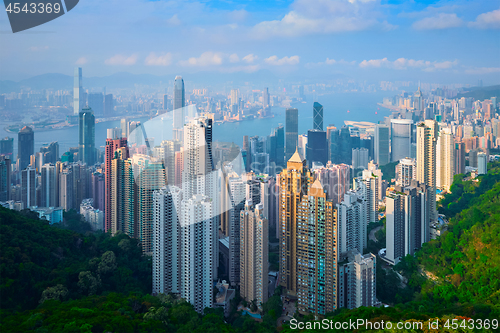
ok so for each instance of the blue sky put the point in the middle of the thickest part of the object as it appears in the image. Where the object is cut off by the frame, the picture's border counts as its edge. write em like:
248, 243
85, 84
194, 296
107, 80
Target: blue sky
434, 41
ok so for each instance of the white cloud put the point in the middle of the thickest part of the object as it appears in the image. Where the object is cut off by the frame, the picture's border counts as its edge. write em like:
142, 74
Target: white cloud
245, 68
120, 59
238, 15
275, 61
81, 61
403, 63
206, 59
161, 60
441, 21
38, 48
489, 20
250, 58
234, 58
323, 16
173, 21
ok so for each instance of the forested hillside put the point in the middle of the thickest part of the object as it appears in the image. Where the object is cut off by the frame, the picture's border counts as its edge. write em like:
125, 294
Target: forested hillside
57, 280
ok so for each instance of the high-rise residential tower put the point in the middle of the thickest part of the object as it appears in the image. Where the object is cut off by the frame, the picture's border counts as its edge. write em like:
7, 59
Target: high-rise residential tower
167, 240
408, 220
427, 133
86, 144
291, 132
113, 143
316, 244
445, 159
253, 255
294, 183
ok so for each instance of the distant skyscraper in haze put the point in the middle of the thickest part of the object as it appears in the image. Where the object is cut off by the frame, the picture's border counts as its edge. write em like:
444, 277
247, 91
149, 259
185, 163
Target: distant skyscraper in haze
291, 132
95, 101
5, 178
317, 116
482, 163
78, 102
108, 105
7, 147
401, 130
381, 144
86, 144
427, 133
179, 104
459, 156
25, 146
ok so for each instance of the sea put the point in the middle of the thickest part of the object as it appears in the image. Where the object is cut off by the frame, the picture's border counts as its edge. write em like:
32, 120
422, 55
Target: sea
338, 107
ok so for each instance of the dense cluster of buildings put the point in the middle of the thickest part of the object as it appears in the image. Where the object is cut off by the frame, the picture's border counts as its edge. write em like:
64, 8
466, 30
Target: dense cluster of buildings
191, 202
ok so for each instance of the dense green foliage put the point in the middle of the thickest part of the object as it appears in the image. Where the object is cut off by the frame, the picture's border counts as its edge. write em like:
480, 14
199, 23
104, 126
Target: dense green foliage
481, 93
389, 171
45, 262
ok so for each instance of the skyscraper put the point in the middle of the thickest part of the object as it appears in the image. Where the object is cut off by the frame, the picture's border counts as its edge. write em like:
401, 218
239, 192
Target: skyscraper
317, 147
118, 190
291, 132
28, 187
7, 147
381, 144
401, 132
78, 100
317, 116
199, 251
357, 281
150, 179
95, 101
459, 156
482, 163
232, 203
50, 189
316, 241
253, 254
5, 178
335, 179
351, 223
166, 240
445, 160
408, 220
406, 170
86, 144
294, 182
113, 143
427, 133
25, 146
200, 215
179, 104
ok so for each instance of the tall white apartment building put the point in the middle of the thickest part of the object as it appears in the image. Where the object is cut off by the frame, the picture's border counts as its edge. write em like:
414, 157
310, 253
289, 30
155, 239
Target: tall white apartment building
445, 159
167, 240
351, 221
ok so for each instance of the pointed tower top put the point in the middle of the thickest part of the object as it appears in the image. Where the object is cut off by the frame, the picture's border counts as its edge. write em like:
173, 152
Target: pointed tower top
296, 156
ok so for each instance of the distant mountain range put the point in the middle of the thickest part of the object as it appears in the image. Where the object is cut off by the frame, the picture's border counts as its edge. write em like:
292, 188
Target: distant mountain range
58, 81
481, 93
